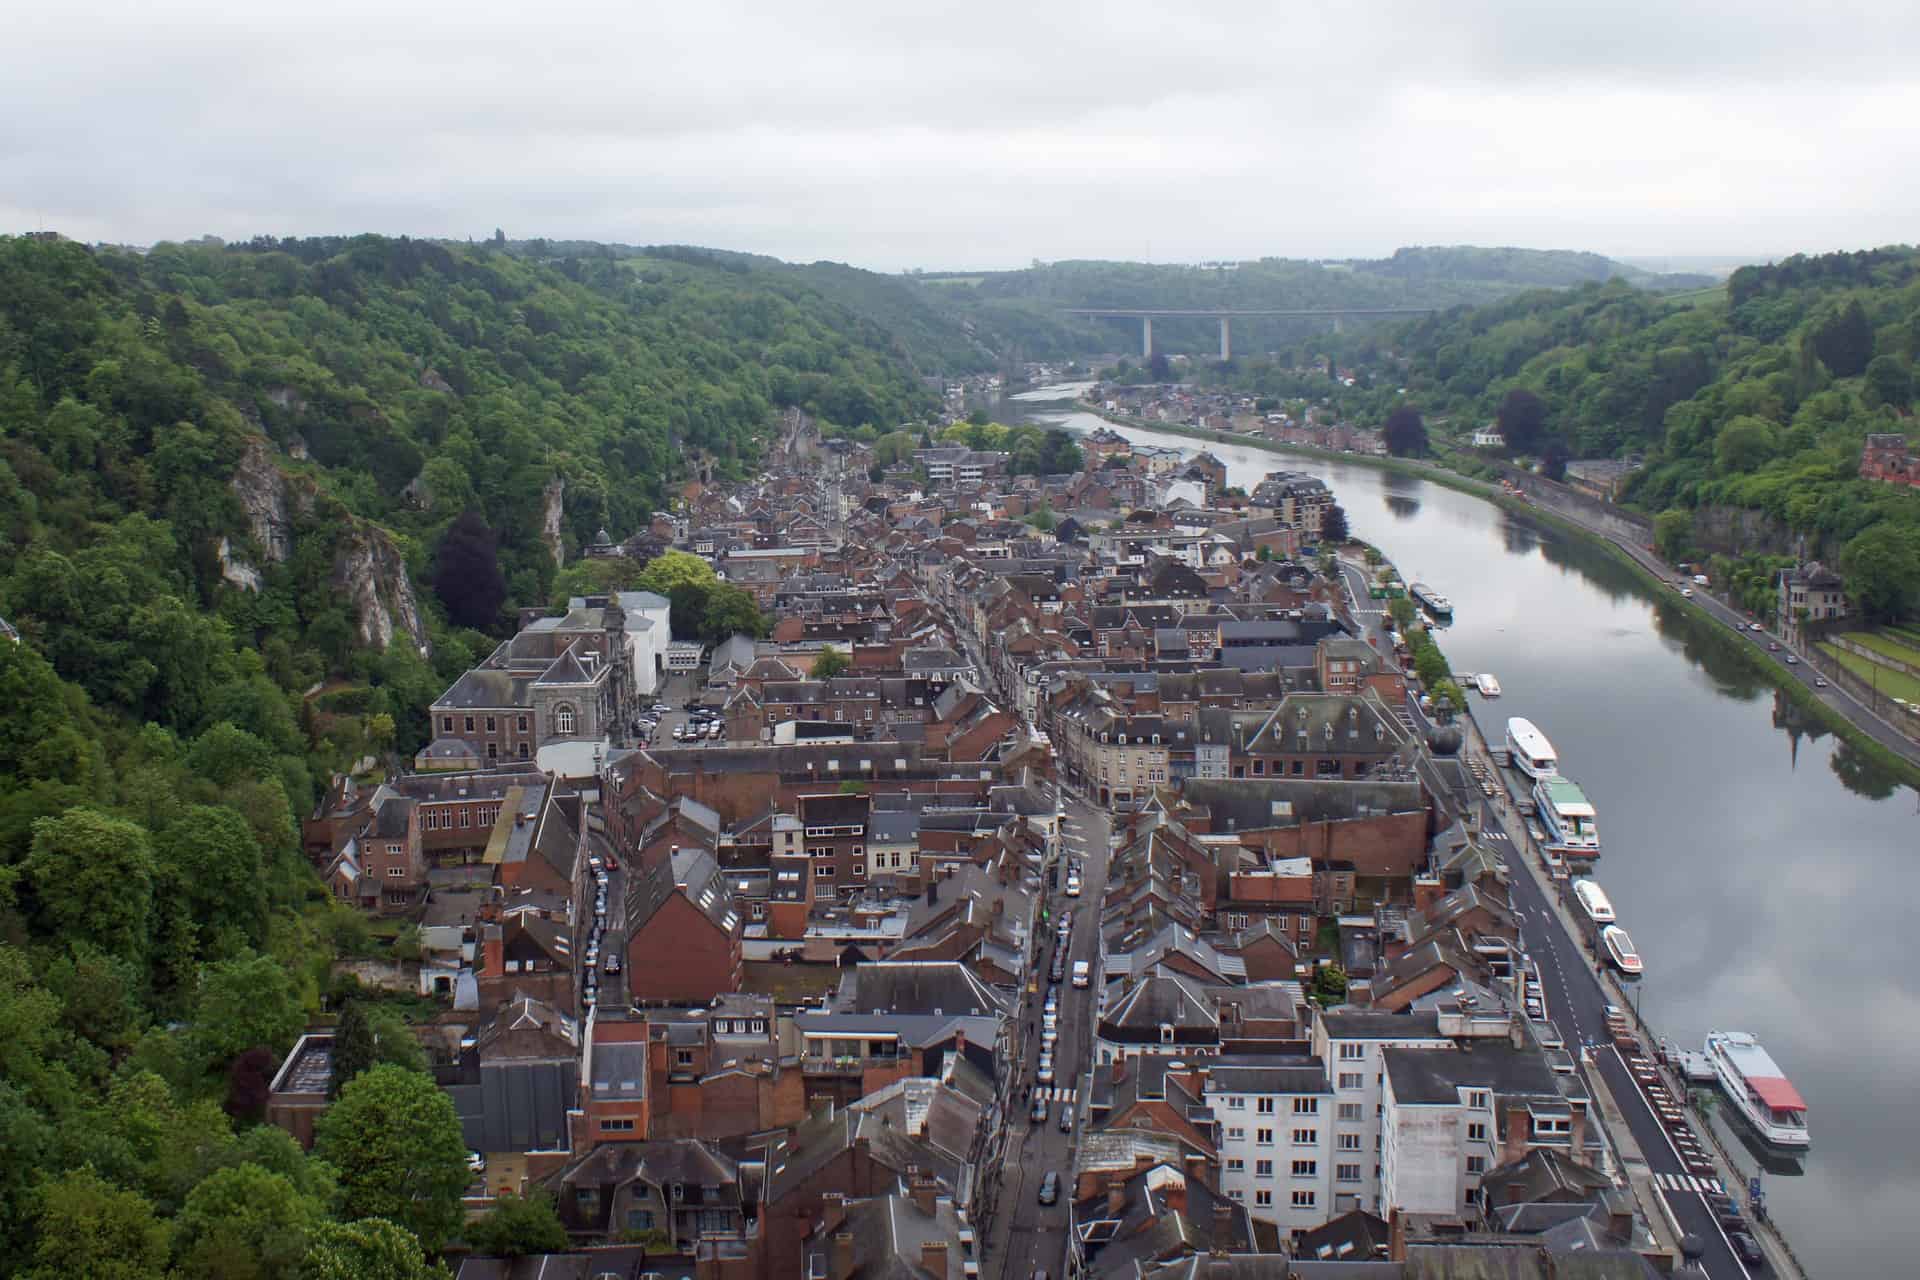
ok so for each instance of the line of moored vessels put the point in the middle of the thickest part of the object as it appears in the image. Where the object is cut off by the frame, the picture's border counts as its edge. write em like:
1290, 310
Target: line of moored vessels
1749, 1077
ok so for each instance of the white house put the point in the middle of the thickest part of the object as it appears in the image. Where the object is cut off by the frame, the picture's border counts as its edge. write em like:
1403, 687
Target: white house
649, 633
1274, 1116
1489, 438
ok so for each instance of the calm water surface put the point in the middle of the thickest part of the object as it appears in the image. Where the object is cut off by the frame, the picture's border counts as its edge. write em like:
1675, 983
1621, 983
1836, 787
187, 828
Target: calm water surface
1760, 865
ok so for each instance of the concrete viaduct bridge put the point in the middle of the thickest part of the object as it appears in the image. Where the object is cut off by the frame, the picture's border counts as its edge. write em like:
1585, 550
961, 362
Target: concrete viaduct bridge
1147, 315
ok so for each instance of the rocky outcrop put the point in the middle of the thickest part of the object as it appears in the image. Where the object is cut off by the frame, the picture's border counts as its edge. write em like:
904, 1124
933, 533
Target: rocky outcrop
262, 491
550, 520
236, 571
431, 380
370, 571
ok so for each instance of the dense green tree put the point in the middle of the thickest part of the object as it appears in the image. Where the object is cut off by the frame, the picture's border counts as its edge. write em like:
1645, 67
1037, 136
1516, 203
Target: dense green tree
243, 1223
395, 1141
92, 876
1882, 567
1673, 534
370, 1249
731, 611
209, 861
354, 1049
1333, 525
1522, 417
671, 570
247, 1001
1843, 339
1890, 382
1405, 432
226, 755
466, 573
829, 664
1745, 443
86, 1226
516, 1226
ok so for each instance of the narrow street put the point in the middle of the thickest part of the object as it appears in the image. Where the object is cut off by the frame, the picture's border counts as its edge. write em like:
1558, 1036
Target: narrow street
1024, 1235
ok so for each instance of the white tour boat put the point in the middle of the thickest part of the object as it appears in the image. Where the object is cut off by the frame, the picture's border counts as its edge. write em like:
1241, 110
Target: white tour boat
1619, 949
1759, 1088
1593, 903
1532, 753
1567, 814
1487, 685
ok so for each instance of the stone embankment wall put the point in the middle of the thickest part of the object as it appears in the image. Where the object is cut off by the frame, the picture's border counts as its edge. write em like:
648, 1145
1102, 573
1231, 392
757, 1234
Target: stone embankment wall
1574, 505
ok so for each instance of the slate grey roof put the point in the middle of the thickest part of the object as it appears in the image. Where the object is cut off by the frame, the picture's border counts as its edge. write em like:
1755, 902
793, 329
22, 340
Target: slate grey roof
1266, 1073
1374, 1024
487, 688
917, 987
620, 1071
1436, 1076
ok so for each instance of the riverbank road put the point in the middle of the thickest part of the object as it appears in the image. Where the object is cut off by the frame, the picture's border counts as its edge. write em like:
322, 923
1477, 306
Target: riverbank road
1578, 994
1025, 1236
1371, 614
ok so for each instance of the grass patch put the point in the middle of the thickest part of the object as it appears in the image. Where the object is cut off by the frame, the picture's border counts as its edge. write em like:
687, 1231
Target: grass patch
1898, 684
1907, 635
1885, 645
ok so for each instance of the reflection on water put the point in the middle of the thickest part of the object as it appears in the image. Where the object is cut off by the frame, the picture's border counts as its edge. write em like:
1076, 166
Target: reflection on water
1750, 851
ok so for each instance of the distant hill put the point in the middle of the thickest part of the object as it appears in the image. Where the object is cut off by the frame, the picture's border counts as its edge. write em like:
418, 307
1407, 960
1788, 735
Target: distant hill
1522, 268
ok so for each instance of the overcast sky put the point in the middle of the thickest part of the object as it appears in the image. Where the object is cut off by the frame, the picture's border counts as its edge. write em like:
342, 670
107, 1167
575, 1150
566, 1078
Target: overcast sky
983, 134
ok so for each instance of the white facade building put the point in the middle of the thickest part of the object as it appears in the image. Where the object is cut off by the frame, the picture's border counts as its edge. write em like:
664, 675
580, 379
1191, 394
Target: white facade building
1350, 1043
1274, 1117
649, 632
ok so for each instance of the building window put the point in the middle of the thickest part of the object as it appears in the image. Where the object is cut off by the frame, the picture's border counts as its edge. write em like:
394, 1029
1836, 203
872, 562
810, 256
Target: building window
523, 724
1306, 1168
1349, 1142
523, 751
563, 720
490, 724
1263, 1168
1306, 1137
1306, 1106
1478, 1100
823, 892
1263, 1137
1236, 1194
1235, 1164
1352, 1080
1350, 1111
446, 724
1352, 1052
493, 751
616, 1126
1236, 1134
1264, 1106
1236, 1104
683, 1057
1304, 1200
396, 871
1347, 1172
1263, 1199
1476, 1132
1476, 1164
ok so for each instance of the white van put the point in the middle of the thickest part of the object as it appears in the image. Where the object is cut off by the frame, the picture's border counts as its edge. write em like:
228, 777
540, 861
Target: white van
1082, 975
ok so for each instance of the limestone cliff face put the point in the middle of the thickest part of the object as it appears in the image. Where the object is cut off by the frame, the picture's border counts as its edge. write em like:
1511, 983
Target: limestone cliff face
369, 569
262, 491
550, 520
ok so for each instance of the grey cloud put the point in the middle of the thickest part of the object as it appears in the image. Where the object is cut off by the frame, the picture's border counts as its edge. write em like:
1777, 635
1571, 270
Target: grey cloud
975, 134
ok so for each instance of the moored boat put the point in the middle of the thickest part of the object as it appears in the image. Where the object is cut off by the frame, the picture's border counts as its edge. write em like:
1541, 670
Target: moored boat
1487, 685
1620, 952
1532, 753
1432, 601
1595, 909
1568, 815
1758, 1088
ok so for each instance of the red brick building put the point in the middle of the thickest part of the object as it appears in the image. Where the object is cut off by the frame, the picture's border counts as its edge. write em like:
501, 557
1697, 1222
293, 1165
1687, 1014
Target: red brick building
684, 931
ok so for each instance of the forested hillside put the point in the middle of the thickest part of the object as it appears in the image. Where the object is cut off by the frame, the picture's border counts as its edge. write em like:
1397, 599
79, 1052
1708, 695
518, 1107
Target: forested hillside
1759, 399
1024, 307
225, 475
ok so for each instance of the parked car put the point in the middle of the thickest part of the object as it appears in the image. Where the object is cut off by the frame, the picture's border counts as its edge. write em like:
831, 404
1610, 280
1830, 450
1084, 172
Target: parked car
1819, 682
1066, 1118
1037, 1114
1792, 661
1773, 646
613, 962
1044, 1073
1050, 1188
1746, 1248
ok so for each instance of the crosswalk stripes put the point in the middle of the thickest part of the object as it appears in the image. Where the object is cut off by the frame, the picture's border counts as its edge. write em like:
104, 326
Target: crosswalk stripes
1057, 1092
1685, 1182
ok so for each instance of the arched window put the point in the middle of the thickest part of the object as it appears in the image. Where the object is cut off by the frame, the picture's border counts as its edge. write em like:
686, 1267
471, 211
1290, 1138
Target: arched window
563, 720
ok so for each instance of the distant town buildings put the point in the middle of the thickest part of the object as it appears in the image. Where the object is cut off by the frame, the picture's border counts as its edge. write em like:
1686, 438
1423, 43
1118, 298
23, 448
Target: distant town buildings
1889, 458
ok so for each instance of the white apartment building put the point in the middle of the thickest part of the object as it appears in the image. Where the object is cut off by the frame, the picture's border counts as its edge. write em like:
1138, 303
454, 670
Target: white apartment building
1273, 1116
1350, 1042
1449, 1117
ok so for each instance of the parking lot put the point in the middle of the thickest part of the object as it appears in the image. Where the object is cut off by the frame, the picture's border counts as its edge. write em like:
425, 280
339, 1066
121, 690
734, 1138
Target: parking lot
677, 695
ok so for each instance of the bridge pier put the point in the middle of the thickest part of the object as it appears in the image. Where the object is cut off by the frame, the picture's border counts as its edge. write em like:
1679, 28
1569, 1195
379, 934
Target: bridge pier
1146, 337
1226, 340
1339, 327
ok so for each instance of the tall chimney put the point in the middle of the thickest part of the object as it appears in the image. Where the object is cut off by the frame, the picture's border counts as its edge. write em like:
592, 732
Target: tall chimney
1396, 1236
933, 1257
842, 1255
1116, 1197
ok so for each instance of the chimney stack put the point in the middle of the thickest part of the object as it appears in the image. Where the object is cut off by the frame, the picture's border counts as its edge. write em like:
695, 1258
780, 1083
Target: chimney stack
1222, 1222
1396, 1236
1116, 1197
933, 1257
842, 1255
1176, 1196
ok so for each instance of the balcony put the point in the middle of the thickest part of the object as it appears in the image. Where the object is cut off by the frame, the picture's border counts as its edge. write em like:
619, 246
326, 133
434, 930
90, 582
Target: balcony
849, 1064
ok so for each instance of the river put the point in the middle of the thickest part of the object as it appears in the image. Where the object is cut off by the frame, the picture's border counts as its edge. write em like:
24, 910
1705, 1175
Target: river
1739, 846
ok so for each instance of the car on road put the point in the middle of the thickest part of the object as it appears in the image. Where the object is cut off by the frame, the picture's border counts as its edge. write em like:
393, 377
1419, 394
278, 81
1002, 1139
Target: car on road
1687, 593
1746, 1248
1050, 1188
1792, 661
1066, 1118
660, 708
1044, 1072
1773, 646
1754, 626
1819, 682
613, 962
1037, 1114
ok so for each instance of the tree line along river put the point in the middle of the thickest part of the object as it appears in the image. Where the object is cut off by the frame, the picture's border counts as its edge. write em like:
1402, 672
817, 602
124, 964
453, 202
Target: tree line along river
1760, 864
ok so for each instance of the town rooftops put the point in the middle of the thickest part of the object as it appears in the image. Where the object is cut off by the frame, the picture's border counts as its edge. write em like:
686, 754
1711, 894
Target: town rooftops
1266, 1073
1375, 1024
1427, 1077
920, 986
